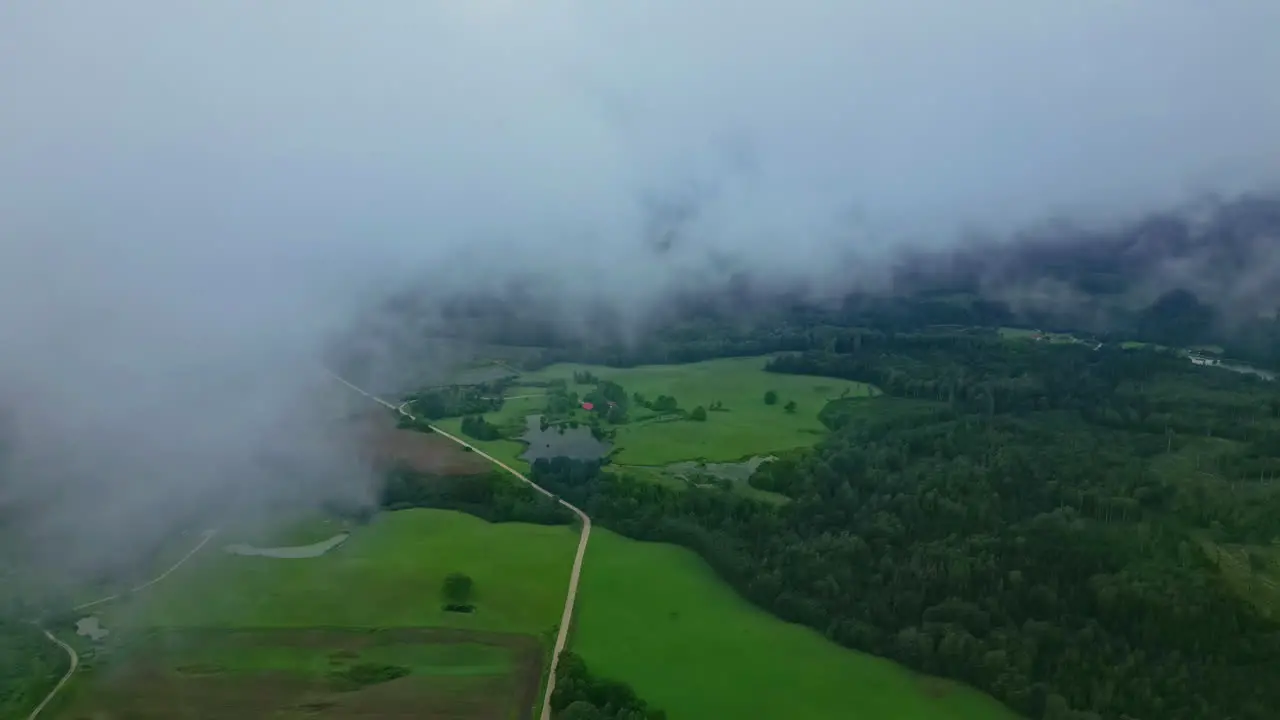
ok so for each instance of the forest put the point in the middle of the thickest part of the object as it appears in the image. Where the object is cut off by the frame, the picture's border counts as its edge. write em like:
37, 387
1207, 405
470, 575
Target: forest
1040, 521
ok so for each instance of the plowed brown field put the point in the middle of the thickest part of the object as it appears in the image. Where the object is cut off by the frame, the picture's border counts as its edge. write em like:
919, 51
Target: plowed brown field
424, 452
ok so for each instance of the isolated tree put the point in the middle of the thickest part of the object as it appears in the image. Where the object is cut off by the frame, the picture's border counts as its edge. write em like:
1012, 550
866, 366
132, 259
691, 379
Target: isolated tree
770, 397
790, 406
699, 413
458, 589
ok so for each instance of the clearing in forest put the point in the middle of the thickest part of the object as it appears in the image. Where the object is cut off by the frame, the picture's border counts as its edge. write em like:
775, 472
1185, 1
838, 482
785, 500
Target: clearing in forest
739, 422
305, 637
656, 616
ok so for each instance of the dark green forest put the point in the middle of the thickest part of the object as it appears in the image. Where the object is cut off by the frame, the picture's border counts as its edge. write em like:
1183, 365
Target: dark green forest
1048, 523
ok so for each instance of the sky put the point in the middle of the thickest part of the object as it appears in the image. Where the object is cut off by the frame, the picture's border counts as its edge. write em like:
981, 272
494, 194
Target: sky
195, 197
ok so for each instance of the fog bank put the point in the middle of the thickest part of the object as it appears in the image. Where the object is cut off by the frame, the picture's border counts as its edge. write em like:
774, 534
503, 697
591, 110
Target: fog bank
196, 197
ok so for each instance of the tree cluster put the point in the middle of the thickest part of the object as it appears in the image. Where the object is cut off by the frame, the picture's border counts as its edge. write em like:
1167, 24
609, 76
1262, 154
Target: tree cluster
579, 695
493, 496
475, 426
455, 401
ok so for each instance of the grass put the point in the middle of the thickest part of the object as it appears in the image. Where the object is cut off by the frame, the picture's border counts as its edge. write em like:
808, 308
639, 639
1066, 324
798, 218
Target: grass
228, 653
304, 530
358, 632
749, 427
312, 672
655, 616
1011, 333
388, 574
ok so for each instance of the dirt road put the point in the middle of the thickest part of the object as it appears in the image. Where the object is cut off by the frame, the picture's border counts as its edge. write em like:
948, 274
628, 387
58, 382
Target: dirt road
75, 663
567, 616
71, 653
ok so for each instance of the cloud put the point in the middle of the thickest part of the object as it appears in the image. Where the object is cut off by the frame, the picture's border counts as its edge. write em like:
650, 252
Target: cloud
195, 197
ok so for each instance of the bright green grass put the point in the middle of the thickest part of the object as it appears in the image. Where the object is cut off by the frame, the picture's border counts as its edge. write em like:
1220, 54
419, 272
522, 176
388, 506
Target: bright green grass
655, 616
387, 574
748, 428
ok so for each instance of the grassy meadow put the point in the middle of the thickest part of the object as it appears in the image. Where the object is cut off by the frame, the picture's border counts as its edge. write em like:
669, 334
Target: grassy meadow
357, 632
387, 574
656, 616
746, 427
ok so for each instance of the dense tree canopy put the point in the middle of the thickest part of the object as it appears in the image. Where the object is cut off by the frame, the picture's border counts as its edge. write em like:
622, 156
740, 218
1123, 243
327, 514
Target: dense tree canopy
1041, 521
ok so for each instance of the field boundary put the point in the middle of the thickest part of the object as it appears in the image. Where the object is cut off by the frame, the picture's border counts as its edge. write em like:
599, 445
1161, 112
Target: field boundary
566, 618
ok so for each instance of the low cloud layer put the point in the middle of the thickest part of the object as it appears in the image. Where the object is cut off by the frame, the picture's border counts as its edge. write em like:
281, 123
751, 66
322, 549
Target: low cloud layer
196, 197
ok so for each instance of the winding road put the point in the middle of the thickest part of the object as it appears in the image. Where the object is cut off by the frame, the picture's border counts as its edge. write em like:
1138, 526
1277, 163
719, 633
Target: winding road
71, 652
567, 616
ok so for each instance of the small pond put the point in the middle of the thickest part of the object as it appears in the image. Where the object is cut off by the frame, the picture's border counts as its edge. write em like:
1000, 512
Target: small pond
560, 441
290, 553
91, 628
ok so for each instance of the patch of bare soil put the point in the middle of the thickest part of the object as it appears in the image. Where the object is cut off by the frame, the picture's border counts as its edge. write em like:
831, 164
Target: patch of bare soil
424, 452
155, 685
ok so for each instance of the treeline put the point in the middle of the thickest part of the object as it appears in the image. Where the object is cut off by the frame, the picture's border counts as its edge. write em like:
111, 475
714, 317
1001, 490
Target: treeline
456, 400
1176, 319
579, 695
477, 427
1005, 517
1145, 391
492, 496
771, 323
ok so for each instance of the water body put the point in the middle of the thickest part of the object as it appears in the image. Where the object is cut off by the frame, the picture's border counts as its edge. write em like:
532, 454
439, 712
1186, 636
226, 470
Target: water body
560, 441
91, 628
290, 553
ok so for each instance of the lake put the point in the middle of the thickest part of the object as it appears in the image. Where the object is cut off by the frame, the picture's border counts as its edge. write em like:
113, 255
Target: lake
560, 441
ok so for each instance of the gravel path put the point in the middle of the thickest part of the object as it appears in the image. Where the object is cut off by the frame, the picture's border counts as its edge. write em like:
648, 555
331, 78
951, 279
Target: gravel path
567, 616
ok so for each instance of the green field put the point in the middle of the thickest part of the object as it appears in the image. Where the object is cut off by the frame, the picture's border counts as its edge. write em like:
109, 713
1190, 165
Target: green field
388, 574
260, 636
1010, 333
312, 673
655, 616
747, 426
